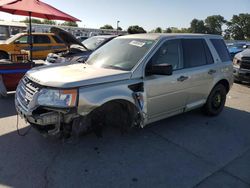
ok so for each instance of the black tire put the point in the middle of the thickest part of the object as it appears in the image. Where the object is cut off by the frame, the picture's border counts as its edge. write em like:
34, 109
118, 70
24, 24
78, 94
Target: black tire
215, 101
4, 55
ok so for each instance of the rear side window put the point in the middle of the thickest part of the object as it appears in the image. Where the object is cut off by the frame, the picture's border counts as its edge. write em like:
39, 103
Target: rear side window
221, 49
194, 52
57, 39
41, 39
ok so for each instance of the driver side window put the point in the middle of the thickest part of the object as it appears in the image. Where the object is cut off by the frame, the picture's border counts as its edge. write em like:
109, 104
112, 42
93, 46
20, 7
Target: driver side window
169, 53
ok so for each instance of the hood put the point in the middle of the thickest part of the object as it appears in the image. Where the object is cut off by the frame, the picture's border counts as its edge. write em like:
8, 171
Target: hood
234, 50
67, 38
244, 53
75, 75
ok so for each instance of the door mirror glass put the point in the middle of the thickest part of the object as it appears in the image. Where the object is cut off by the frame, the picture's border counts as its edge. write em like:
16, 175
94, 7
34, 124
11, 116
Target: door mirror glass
160, 69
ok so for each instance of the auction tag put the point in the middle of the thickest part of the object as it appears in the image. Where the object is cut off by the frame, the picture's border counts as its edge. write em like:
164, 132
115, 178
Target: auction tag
137, 43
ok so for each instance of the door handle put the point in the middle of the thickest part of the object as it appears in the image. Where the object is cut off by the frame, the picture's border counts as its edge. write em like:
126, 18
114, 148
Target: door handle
212, 71
182, 78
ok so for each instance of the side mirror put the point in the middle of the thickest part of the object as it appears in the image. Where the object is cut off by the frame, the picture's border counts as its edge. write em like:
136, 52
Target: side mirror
17, 42
160, 69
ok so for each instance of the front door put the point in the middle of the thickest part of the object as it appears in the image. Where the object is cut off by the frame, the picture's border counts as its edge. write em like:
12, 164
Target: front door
166, 95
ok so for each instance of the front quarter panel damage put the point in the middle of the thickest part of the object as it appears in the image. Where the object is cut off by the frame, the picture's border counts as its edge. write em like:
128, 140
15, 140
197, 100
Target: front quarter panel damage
90, 98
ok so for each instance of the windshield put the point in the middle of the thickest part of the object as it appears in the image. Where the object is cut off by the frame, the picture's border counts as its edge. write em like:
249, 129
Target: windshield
120, 53
94, 42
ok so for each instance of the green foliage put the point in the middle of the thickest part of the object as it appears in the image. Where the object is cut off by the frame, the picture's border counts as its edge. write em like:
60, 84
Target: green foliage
158, 30
197, 26
39, 21
107, 27
135, 29
33, 20
119, 29
71, 24
168, 30
239, 26
49, 22
214, 24
176, 30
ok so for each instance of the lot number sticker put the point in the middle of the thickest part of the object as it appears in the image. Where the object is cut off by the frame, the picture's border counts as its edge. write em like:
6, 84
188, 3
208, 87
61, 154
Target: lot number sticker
137, 43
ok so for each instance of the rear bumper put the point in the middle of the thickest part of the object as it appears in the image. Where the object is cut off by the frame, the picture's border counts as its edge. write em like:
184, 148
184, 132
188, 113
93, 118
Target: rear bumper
241, 74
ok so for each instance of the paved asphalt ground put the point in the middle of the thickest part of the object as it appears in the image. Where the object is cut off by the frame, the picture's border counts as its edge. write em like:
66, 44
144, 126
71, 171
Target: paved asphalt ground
188, 150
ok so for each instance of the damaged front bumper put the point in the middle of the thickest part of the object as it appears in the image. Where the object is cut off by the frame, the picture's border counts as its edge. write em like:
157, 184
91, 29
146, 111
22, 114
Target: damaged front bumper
48, 121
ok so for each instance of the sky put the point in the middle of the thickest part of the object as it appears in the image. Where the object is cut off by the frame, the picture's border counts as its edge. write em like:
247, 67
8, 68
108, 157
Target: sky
147, 13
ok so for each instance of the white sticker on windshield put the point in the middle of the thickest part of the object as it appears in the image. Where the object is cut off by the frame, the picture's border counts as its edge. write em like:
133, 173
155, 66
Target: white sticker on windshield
137, 43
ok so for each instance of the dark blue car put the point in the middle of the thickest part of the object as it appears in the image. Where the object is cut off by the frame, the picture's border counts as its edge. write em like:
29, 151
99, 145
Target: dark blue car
78, 51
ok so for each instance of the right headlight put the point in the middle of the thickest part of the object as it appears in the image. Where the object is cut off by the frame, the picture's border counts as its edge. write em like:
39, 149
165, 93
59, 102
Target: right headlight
236, 62
57, 98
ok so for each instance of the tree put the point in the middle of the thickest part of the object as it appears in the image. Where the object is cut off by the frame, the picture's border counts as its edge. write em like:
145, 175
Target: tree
49, 22
214, 24
119, 29
71, 24
33, 20
107, 27
197, 26
168, 30
239, 26
158, 30
135, 29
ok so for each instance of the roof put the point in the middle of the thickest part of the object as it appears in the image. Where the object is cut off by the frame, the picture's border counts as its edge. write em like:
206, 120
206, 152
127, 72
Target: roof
36, 33
155, 36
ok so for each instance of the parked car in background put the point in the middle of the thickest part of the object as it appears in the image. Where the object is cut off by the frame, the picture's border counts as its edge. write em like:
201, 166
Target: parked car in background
131, 81
236, 47
43, 44
241, 65
11, 74
78, 51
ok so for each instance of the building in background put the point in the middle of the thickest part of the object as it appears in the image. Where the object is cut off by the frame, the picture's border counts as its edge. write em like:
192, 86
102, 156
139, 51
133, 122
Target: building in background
8, 29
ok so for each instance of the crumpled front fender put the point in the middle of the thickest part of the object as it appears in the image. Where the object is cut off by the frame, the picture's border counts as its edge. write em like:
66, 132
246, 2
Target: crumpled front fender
91, 98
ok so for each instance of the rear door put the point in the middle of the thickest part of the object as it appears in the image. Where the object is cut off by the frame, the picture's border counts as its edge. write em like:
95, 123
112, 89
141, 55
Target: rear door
42, 46
58, 45
199, 66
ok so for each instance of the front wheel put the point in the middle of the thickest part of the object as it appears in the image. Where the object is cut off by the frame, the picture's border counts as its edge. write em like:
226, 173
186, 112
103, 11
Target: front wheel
216, 101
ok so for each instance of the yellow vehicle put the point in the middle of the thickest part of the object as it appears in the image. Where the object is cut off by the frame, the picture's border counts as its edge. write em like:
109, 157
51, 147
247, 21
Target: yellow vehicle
43, 44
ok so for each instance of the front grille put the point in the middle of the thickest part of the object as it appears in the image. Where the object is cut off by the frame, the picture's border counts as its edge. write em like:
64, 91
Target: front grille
245, 65
245, 58
26, 91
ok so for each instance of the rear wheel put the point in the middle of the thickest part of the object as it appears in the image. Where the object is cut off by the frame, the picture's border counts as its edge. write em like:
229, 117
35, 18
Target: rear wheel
4, 55
216, 100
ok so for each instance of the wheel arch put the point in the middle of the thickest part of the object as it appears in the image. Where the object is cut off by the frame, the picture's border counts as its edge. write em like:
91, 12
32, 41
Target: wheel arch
2, 51
225, 83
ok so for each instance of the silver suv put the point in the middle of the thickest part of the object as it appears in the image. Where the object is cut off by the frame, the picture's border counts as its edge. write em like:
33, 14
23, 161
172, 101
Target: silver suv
131, 81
